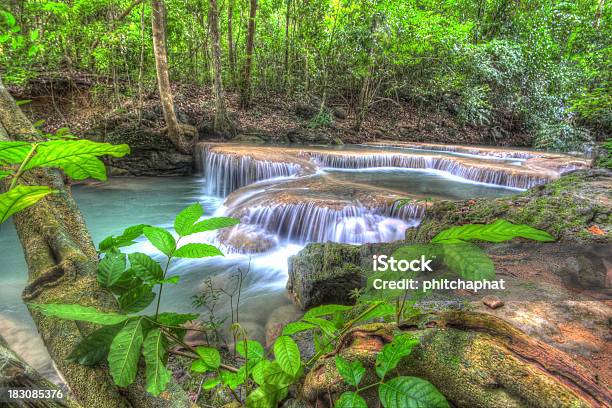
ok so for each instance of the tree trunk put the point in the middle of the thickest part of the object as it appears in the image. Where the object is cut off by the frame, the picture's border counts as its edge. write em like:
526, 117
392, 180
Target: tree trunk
230, 41
16, 373
286, 61
598, 12
221, 124
62, 266
245, 86
174, 131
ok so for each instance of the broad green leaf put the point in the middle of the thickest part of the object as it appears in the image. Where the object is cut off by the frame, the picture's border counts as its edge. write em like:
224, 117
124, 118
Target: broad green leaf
350, 399
499, 231
197, 251
161, 239
145, 267
175, 319
276, 382
325, 325
259, 370
468, 261
410, 392
260, 399
94, 348
20, 198
392, 353
78, 312
184, 221
211, 383
110, 269
382, 310
23, 101
210, 356
125, 239
127, 281
136, 299
78, 158
233, 380
253, 350
287, 355
352, 372
172, 280
14, 152
214, 224
199, 366
125, 352
296, 327
154, 351
326, 310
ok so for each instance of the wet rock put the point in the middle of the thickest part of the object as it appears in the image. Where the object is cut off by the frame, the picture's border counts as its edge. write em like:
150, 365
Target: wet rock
152, 154
303, 135
305, 110
248, 138
492, 302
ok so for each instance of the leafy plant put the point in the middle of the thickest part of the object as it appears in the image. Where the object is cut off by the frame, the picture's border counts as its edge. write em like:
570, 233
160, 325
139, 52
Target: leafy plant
132, 278
79, 159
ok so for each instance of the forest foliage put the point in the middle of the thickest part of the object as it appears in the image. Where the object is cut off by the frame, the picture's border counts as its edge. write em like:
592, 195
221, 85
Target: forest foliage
541, 66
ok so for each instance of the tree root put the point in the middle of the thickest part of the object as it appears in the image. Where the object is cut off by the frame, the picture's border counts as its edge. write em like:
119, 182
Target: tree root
475, 360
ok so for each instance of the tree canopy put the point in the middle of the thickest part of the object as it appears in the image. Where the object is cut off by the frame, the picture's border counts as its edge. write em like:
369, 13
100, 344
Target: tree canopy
539, 66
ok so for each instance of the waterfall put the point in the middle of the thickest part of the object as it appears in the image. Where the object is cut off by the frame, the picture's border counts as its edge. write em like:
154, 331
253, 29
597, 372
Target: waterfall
472, 151
227, 172
496, 175
311, 222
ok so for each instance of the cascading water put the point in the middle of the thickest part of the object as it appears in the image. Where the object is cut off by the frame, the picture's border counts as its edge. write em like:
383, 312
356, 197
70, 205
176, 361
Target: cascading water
493, 175
226, 172
351, 224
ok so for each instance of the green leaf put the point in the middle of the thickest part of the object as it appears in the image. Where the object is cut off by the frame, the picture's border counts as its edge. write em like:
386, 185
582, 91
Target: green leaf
154, 351
126, 282
19, 103
233, 380
6, 173
175, 319
253, 350
161, 239
78, 158
211, 383
197, 251
287, 355
296, 327
199, 366
78, 312
382, 310
145, 267
259, 398
214, 224
136, 299
210, 356
326, 310
125, 352
350, 399
20, 198
184, 221
352, 372
110, 269
410, 392
259, 370
392, 353
123, 240
172, 280
14, 152
94, 348
468, 261
499, 231
325, 325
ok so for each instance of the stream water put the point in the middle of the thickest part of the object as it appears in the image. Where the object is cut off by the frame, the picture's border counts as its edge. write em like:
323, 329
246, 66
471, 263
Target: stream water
109, 207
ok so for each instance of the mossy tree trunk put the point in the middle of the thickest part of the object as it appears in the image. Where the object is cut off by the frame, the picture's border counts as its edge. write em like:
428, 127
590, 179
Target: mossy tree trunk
221, 123
62, 266
160, 49
245, 85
